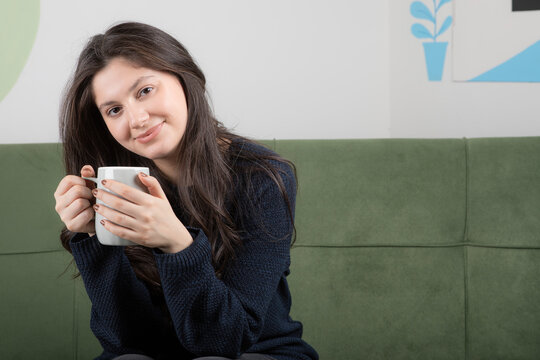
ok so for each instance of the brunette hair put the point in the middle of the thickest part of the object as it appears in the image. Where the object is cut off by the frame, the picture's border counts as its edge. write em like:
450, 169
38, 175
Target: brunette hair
205, 154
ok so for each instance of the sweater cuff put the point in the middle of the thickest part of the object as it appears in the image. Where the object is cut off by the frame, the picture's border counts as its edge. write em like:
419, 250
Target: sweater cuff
191, 259
87, 250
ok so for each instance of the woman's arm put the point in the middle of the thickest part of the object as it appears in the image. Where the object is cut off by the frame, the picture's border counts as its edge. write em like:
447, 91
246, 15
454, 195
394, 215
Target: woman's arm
226, 316
123, 317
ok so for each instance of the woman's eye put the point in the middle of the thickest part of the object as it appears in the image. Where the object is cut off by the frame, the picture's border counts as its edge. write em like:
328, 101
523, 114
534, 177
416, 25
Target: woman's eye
113, 111
145, 90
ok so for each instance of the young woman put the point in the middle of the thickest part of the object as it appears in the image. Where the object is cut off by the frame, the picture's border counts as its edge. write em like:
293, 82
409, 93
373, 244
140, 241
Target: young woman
208, 276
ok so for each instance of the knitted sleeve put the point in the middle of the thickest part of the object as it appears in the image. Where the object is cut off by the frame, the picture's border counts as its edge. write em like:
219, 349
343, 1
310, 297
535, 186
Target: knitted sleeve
122, 316
226, 316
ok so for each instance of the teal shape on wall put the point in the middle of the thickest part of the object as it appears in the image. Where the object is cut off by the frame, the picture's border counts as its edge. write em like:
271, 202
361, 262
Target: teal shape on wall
19, 22
434, 51
523, 67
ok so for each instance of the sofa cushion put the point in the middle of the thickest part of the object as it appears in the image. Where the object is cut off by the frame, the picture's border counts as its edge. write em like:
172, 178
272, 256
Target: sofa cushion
383, 192
369, 302
30, 174
504, 192
37, 306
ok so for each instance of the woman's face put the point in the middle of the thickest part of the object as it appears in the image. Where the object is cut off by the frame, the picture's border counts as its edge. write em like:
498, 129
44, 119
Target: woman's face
145, 110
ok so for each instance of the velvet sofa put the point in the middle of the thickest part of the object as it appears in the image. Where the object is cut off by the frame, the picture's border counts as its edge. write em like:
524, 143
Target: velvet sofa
406, 249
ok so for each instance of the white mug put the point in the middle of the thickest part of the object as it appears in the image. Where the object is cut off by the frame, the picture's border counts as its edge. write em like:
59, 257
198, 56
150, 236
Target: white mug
124, 174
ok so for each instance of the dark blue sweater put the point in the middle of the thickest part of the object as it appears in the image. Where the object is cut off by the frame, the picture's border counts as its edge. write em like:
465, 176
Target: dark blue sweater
247, 310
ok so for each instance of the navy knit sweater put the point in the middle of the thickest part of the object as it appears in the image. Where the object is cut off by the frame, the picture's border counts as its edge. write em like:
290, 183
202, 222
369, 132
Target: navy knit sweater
247, 310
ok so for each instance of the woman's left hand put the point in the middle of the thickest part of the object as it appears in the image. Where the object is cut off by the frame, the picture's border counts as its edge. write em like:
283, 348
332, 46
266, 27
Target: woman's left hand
146, 219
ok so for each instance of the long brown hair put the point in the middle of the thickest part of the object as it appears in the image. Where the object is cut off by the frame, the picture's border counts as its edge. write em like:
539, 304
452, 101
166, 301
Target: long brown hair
204, 154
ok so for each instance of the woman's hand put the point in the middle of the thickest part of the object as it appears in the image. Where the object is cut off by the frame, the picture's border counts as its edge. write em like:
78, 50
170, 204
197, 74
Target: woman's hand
74, 202
146, 219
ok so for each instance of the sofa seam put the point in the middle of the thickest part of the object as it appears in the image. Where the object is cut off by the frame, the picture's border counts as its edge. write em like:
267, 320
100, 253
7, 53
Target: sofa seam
75, 323
466, 301
465, 250
485, 246
467, 188
33, 252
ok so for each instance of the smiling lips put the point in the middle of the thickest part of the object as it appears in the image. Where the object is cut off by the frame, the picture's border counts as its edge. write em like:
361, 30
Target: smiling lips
150, 134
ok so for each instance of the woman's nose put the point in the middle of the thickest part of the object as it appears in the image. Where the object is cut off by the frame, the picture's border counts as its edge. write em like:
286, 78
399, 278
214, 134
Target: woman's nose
138, 116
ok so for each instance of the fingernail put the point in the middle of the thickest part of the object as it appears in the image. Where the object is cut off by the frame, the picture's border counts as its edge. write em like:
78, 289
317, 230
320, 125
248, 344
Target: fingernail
103, 182
94, 192
102, 222
143, 174
96, 207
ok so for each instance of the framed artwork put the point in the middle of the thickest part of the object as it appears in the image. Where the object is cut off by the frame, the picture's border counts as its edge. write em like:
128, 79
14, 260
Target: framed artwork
525, 5
496, 40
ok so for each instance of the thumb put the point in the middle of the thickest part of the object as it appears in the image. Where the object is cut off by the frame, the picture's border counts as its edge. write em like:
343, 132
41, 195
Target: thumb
88, 171
153, 186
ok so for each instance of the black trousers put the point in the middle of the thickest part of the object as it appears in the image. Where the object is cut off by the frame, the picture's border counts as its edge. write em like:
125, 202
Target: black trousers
243, 357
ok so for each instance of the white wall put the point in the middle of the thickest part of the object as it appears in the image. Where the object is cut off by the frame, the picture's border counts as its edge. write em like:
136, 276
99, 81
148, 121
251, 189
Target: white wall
283, 69
275, 69
420, 108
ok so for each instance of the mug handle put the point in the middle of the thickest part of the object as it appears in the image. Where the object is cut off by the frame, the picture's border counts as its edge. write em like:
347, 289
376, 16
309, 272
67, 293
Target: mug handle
91, 179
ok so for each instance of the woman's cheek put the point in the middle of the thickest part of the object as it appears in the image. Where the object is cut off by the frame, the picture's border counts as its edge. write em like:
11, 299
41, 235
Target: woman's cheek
119, 132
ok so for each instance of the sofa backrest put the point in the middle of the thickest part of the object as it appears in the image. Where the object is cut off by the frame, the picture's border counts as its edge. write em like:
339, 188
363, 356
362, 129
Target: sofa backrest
406, 249
418, 249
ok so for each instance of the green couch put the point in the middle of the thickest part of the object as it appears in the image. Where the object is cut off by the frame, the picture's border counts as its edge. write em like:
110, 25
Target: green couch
406, 249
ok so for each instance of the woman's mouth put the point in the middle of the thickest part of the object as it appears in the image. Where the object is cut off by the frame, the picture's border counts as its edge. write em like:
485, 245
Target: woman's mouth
150, 134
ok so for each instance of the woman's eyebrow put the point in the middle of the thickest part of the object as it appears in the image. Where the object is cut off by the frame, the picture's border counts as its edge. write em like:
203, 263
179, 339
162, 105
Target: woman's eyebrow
138, 81
131, 88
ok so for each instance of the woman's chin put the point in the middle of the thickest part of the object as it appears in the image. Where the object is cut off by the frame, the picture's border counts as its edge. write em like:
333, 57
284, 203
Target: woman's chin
150, 152
158, 156
157, 152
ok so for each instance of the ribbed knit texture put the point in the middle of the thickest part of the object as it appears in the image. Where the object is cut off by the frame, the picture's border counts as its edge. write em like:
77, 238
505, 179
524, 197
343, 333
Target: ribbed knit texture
245, 311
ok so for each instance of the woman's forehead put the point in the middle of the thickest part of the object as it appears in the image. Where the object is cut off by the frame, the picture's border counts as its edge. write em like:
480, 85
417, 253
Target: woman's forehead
118, 77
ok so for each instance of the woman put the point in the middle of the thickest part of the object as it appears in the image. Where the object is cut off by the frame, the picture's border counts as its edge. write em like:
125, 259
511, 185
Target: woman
208, 276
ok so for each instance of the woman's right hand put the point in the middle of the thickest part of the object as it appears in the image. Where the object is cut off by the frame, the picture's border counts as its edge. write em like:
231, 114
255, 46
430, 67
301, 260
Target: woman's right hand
74, 202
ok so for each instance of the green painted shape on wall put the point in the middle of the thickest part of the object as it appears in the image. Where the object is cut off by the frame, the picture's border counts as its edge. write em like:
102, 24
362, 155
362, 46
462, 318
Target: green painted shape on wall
19, 22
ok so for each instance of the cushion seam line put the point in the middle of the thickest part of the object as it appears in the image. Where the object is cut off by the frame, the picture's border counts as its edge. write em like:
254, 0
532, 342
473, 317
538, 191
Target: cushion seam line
487, 246
465, 250
75, 323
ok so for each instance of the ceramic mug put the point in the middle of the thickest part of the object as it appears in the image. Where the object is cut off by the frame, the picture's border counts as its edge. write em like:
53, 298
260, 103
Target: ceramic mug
124, 174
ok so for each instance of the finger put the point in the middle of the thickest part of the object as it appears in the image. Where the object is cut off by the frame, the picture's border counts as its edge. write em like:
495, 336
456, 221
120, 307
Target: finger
66, 184
77, 191
74, 209
153, 185
116, 217
132, 194
88, 171
123, 232
116, 202
84, 221
74, 193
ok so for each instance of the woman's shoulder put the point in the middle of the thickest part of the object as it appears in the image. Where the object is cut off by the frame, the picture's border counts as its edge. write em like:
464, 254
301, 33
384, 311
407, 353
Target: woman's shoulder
250, 157
240, 144
256, 167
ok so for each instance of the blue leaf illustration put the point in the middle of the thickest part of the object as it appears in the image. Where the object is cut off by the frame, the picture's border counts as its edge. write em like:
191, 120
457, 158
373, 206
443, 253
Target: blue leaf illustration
441, 4
446, 24
421, 32
420, 11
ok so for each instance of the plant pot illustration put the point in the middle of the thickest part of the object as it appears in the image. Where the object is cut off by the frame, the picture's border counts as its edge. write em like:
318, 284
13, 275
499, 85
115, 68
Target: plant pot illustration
435, 53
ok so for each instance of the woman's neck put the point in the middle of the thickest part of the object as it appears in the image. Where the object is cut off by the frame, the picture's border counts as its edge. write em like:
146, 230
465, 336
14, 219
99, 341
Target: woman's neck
168, 168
